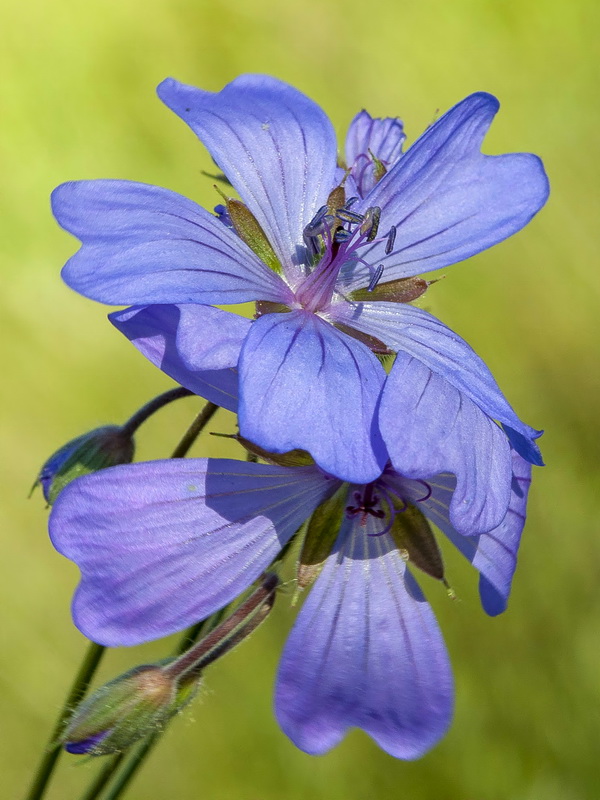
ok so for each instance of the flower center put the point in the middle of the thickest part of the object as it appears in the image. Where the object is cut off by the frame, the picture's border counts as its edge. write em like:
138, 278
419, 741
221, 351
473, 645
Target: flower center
370, 499
332, 239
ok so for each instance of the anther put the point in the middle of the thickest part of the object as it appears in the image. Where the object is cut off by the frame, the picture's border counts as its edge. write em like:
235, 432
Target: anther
376, 278
371, 223
342, 235
349, 216
315, 222
351, 201
391, 238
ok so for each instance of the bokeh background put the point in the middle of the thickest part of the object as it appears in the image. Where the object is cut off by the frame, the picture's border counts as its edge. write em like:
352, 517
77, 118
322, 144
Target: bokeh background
77, 101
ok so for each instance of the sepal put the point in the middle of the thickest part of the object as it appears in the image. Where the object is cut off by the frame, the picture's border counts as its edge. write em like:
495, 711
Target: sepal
91, 452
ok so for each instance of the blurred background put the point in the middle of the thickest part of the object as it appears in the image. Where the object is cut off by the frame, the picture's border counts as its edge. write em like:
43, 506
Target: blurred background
77, 101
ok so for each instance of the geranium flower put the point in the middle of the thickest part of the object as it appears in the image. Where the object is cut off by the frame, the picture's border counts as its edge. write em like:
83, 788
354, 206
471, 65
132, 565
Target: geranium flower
163, 544
332, 276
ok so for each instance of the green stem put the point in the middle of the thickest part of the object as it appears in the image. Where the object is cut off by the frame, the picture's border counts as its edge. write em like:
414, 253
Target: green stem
188, 638
54, 748
134, 422
195, 430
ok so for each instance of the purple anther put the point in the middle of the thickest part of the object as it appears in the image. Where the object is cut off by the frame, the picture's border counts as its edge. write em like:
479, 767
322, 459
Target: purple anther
351, 201
375, 278
391, 238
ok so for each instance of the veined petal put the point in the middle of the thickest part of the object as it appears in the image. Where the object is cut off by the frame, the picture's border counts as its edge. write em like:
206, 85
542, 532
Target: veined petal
198, 346
494, 554
431, 427
303, 384
163, 544
274, 144
142, 244
365, 652
448, 200
421, 335
367, 137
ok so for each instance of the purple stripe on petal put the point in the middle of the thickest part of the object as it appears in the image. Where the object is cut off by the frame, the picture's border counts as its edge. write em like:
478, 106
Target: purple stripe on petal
430, 427
365, 652
421, 335
163, 544
304, 384
275, 145
448, 200
142, 244
198, 346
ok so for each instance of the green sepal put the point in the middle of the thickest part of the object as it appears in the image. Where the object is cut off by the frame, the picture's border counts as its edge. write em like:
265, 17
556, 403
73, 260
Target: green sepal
293, 458
403, 290
249, 230
137, 703
380, 168
321, 533
98, 449
417, 544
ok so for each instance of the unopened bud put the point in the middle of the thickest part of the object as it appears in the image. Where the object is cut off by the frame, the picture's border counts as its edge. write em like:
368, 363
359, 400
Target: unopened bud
100, 448
118, 714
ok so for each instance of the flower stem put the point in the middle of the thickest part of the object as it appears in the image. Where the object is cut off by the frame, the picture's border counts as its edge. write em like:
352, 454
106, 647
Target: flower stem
194, 430
154, 405
53, 749
139, 756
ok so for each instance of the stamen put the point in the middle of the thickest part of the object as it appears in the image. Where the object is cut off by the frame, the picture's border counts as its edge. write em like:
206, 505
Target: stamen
351, 201
428, 489
391, 238
376, 278
318, 217
371, 223
349, 216
342, 235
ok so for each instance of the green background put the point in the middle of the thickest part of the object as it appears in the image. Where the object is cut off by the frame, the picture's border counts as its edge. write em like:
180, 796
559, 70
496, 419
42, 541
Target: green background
77, 101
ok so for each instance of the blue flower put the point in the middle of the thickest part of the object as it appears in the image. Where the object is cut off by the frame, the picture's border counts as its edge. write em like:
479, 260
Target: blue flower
163, 544
332, 283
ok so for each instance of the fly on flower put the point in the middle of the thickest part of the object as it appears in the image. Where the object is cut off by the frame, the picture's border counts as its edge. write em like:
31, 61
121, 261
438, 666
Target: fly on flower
163, 544
331, 256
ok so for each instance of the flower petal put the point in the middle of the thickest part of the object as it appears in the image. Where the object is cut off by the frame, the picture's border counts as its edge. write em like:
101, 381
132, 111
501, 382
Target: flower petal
365, 652
368, 137
494, 554
447, 199
303, 384
274, 144
163, 544
430, 427
198, 346
142, 244
404, 327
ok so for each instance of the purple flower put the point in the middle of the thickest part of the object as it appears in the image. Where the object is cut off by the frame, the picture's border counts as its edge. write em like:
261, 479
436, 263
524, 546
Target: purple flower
163, 544
332, 275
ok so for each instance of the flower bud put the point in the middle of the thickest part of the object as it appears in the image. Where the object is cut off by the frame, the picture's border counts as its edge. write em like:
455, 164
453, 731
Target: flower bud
100, 448
136, 704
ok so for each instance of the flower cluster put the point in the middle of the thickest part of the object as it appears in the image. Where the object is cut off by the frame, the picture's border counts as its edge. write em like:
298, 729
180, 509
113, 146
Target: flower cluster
362, 457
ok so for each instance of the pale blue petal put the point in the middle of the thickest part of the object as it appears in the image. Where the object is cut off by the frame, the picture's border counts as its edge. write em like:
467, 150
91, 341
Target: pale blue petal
494, 553
304, 384
274, 144
198, 346
365, 652
447, 199
142, 244
367, 137
421, 335
161, 545
430, 427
